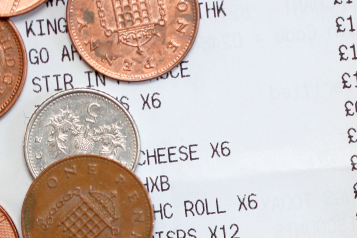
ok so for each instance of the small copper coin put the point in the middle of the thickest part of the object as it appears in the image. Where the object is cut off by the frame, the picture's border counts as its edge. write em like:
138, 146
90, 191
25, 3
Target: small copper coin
13, 65
133, 40
10, 8
7, 227
87, 196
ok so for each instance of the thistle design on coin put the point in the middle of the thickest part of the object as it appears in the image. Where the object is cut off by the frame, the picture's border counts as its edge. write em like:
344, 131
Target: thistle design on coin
65, 124
80, 121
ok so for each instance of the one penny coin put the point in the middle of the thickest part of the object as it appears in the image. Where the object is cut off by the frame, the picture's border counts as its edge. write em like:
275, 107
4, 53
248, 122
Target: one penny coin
87, 196
10, 8
13, 65
133, 40
80, 121
7, 227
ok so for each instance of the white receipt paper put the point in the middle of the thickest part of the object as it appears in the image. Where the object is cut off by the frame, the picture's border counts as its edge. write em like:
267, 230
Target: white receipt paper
253, 134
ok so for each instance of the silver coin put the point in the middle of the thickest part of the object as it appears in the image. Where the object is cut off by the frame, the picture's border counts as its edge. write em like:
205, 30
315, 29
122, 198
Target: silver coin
80, 121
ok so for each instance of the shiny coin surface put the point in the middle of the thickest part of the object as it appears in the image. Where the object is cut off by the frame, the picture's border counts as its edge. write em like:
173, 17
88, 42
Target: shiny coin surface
80, 121
133, 40
87, 196
10, 8
13, 65
7, 227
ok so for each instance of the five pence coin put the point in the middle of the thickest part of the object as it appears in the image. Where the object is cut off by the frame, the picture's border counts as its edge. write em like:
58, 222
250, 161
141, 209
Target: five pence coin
80, 121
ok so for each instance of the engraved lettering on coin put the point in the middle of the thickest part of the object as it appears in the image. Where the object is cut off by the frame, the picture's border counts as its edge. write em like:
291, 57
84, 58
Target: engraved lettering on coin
133, 30
12, 65
8, 79
92, 114
52, 182
87, 205
182, 6
121, 179
38, 139
69, 171
127, 65
91, 45
182, 24
172, 46
81, 24
138, 216
92, 169
80, 121
133, 196
148, 64
110, 61
38, 155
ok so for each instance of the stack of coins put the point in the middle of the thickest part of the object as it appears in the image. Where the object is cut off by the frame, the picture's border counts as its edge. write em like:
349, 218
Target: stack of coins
81, 145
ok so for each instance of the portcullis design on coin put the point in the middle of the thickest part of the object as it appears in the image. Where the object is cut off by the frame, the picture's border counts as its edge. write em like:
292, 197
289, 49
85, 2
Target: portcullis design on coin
90, 196
7, 227
133, 40
13, 65
80, 121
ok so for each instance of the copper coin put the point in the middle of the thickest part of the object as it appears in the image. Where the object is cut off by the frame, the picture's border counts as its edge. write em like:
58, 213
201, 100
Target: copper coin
133, 40
7, 227
13, 65
10, 8
87, 196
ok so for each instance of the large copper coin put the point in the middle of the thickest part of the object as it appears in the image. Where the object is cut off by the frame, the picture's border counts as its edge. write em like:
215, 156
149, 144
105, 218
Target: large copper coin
87, 196
9, 8
7, 227
133, 40
13, 65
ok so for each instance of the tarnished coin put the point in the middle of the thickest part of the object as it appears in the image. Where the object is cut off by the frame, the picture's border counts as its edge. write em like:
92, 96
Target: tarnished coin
13, 65
133, 40
10, 8
7, 227
80, 121
90, 196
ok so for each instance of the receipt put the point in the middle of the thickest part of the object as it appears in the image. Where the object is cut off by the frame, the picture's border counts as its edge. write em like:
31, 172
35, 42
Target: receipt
253, 134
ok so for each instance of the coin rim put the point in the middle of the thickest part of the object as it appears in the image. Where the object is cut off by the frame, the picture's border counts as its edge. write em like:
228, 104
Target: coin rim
10, 221
87, 58
30, 8
24, 70
79, 157
71, 91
